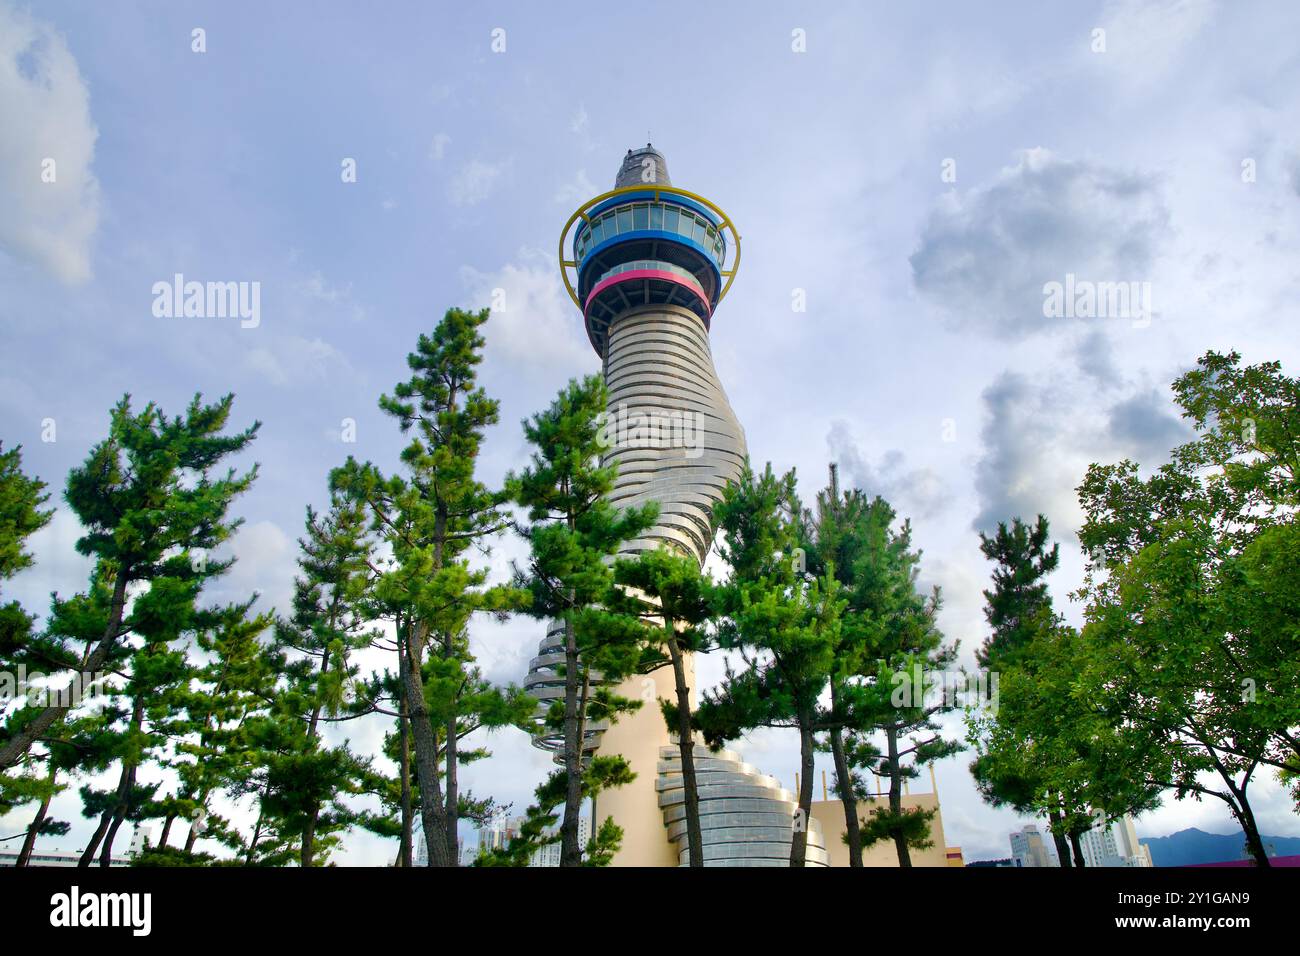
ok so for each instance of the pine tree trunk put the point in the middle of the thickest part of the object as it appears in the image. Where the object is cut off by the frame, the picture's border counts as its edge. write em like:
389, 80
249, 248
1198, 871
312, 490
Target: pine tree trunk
432, 815
686, 747
29, 842
106, 855
852, 826
450, 761
408, 823
799, 845
123, 805
843, 773
29, 734
166, 830
250, 852
308, 851
896, 796
88, 854
570, 850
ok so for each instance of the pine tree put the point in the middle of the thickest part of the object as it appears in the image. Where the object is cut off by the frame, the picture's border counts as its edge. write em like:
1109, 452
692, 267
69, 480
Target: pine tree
222, 712
431, 518
1018, 609
676, 602
1042, 750
784, 627
329, 623
156, 671
21, 516
150, 507
887, 654
574, 534
1019, 605
850, 538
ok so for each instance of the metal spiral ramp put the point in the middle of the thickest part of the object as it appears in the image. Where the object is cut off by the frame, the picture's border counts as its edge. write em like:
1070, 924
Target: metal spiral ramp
746, 818
545, 683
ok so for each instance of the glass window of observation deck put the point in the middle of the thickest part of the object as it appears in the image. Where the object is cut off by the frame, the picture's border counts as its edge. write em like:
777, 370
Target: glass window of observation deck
641, 216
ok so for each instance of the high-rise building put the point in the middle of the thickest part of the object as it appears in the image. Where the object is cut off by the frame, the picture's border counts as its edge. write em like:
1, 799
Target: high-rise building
1116, 844
549, 855
498, 833
647, 264
1028, 848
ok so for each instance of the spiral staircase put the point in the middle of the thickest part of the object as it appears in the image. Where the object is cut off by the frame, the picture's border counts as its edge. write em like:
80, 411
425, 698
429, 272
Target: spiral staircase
746, 817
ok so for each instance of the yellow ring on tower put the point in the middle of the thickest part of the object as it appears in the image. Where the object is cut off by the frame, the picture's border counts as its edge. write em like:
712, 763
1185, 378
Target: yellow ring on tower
581, 213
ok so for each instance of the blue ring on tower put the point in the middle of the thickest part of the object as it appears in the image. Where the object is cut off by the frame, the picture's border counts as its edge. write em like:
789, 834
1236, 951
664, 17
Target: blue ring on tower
647, 247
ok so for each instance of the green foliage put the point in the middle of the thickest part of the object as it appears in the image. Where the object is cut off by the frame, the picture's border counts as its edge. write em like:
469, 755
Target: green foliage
1191, 574
785, 625
885, 655
430, 518
573, 532
21, 516
1019, 606
151, 509
910, 825
539, 830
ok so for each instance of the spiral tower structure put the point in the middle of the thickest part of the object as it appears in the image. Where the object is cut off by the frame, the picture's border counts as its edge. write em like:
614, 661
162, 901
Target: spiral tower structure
647, 264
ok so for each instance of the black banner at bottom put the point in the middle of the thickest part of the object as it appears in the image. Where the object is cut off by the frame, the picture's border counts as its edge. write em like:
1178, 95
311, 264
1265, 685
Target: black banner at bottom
143, 907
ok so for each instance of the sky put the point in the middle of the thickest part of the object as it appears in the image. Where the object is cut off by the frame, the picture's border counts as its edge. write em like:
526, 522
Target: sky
913, 174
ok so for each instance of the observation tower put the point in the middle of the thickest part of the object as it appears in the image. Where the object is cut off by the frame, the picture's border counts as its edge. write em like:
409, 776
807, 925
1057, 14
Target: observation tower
647, 265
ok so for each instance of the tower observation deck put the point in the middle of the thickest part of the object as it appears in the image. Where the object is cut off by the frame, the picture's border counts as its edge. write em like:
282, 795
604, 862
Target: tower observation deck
647, 243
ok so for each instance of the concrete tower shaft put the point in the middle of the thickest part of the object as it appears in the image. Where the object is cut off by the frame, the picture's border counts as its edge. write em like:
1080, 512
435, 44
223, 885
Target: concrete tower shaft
675, 438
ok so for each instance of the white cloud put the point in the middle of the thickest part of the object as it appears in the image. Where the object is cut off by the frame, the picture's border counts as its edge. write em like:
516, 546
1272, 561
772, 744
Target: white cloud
534, 324
291, 360
985, 256
57, 564
1040, 435
265, 562
914, 492
475, 181
45, 113
577, 190
1145, 39
438, 146
317, 289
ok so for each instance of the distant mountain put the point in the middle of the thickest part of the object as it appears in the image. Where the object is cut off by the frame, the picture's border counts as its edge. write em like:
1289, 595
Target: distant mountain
1196, 846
